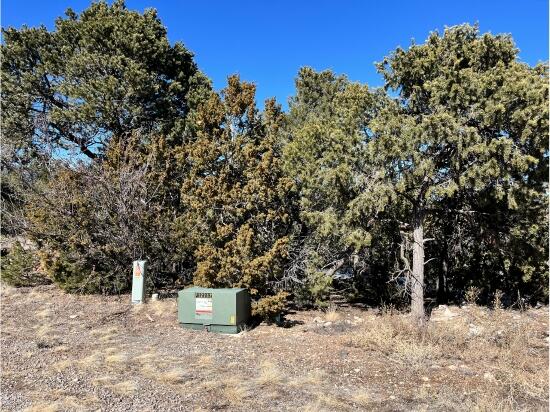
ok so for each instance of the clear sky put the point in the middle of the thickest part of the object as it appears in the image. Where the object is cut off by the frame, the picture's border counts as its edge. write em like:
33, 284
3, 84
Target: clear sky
268, 41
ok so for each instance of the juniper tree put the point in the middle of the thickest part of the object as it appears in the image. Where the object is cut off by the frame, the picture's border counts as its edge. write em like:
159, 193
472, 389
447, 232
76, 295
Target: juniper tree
108, 84
325, 153
105, 72
238, 204
470, 119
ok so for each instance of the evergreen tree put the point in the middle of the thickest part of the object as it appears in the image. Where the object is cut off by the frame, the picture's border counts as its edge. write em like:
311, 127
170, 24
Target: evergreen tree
470, 120
238, 204
325, 154
106, 72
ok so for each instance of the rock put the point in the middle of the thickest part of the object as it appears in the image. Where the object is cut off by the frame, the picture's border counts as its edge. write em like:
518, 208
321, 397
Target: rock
327, 324
474, 330
357, 370
154, 297
425, 378
317, 320
73, 316
452, 367
443, 313
489, 376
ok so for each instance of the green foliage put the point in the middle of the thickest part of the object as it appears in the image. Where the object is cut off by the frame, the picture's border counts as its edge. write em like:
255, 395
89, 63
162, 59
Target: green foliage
270, 306
20, 267
106, 72
115, 148
93, 220
459, 154
238, 204
326, 156
467, 135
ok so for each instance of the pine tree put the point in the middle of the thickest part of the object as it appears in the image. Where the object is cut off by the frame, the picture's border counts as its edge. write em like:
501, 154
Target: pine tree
470, 119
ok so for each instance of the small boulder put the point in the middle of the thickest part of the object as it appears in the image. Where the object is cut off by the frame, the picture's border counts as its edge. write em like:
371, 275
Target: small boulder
443, 314
474, 330
489, 376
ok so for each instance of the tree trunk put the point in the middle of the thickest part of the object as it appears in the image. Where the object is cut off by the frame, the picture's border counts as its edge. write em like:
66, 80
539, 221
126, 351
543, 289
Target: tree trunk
417, 286
442, 298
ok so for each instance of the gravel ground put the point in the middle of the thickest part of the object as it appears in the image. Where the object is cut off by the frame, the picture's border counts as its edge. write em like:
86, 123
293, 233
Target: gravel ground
67, 352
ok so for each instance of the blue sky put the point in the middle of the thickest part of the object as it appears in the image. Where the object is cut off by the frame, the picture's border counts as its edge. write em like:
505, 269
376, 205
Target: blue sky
267, 42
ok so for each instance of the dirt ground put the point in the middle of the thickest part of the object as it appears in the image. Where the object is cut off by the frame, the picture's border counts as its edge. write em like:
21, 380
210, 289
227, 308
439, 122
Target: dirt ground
66, 352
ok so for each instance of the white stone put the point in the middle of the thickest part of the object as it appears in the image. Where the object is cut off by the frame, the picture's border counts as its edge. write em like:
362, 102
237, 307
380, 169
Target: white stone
489, 376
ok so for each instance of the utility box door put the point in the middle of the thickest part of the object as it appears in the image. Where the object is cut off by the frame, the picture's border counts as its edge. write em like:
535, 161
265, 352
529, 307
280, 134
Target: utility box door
222, 310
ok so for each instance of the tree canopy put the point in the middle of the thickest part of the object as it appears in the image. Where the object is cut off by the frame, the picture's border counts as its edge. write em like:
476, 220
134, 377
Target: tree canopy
115, 148
106, 72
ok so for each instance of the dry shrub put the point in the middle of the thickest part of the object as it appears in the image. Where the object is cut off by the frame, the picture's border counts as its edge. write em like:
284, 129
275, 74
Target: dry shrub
269, 375
512, 352
173, 376
124, 388
235, 391
471, 295
332, 314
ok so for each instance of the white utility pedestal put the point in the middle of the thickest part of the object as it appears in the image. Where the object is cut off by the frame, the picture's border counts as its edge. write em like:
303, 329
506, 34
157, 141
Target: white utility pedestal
138, 281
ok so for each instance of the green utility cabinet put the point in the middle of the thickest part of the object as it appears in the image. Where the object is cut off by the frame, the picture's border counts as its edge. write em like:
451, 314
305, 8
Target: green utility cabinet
216, 310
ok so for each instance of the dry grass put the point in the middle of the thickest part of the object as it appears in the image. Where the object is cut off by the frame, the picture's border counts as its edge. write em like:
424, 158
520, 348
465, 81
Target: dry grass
204, 361
62, 365
45, 407
313, 378
44, 313
269, 376
105, 335
235, 391
478, 339
361, 399
174, 376
116, 358
102, 381
161, 308
59, 400
332, 314
480, 360
90, 362
124, 388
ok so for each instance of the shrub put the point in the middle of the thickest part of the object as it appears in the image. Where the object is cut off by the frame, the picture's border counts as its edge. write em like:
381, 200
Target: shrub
270, 306
20, 267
